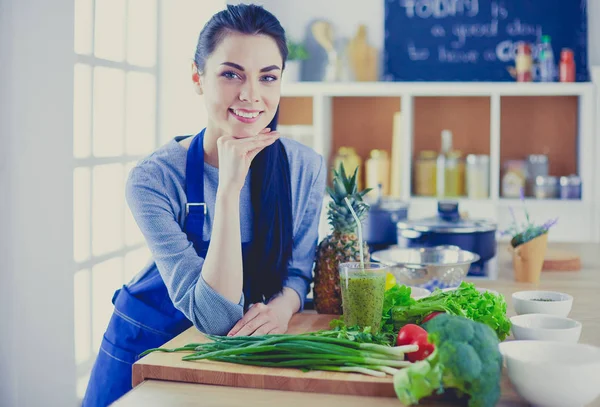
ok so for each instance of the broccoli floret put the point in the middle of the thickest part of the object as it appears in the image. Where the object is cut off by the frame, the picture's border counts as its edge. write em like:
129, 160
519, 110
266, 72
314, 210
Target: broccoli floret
466, 358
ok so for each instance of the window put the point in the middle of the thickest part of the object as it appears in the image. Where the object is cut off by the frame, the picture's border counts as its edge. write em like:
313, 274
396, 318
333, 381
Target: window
115, 124
122, 47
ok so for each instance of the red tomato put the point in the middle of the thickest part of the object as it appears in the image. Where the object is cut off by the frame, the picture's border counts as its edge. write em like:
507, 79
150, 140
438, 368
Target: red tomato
425, 349
408, 334
412, 334
430, 316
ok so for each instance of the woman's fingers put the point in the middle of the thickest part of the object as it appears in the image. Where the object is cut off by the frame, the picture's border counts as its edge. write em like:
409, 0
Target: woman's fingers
252, 313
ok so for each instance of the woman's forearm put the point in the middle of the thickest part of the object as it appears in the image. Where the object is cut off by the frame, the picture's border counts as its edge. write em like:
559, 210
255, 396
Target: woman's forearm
223, 266
288, 302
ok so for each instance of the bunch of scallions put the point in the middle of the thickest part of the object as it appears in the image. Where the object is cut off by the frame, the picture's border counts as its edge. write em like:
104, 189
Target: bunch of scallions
304, 351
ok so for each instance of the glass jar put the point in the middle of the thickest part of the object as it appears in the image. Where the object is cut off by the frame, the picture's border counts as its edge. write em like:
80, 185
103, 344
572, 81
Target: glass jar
570, 187
425, 173
478, 176
351, 161
537, 165
513, 181
546, 187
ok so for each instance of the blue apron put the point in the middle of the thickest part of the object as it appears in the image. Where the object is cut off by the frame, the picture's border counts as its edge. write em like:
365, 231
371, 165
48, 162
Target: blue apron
144, 316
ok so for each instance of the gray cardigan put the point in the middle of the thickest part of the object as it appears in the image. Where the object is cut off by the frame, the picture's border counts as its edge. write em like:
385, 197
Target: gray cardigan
156, 195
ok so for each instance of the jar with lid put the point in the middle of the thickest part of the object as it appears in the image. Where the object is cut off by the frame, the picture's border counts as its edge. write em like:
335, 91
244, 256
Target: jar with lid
478, 176
546, 187
425, 173
570, 187
537, 165
351, 161
377, 172
513, 181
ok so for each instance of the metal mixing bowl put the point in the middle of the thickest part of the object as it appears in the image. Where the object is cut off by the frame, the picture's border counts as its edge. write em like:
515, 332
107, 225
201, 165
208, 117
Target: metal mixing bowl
427, 267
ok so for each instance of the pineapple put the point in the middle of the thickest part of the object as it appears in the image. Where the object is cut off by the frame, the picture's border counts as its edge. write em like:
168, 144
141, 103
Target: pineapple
342, 245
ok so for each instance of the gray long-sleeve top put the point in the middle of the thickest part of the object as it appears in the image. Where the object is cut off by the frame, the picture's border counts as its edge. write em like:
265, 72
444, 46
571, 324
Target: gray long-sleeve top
156, 196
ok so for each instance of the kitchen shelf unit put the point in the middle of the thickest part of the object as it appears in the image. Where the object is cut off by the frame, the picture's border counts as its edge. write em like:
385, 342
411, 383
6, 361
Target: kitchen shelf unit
314, 103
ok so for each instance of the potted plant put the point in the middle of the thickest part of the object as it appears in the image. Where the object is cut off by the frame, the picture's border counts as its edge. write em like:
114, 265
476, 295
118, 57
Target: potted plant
528, 246
296, 53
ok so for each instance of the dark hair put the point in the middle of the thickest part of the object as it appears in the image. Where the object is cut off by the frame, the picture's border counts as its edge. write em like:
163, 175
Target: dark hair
266, 268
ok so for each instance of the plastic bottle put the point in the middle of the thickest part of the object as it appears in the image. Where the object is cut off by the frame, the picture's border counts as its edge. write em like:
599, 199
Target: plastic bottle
567, 65
547, 68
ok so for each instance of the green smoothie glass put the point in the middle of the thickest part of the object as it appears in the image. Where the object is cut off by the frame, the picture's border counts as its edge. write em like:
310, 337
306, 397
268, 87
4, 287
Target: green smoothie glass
363, 289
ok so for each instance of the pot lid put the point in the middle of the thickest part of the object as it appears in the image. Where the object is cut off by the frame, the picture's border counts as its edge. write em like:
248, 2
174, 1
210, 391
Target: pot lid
448, 221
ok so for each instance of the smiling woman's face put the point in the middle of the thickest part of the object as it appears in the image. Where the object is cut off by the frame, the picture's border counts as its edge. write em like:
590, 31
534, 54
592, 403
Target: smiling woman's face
241, 83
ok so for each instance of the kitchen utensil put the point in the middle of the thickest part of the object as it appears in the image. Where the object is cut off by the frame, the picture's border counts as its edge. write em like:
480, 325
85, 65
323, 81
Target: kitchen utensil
447, 228
169, 366
561, 260
553, 374
363, 57
429, 267
545, 327
542, 302
380, 223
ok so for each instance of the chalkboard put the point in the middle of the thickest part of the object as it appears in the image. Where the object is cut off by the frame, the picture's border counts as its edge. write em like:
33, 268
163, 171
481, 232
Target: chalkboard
476, 40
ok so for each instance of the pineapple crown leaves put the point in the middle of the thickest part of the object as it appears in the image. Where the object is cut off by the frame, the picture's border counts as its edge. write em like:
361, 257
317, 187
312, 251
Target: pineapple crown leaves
339, 215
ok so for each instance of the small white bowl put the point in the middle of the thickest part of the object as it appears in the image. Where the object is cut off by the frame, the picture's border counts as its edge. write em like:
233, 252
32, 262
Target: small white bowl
419, 292
553, 373
546, 328
532, 302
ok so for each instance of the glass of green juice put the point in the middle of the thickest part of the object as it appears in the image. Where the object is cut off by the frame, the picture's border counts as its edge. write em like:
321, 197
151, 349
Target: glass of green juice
363, 288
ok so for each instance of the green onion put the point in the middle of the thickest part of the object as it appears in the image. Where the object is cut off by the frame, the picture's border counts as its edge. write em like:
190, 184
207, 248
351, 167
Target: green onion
306, 352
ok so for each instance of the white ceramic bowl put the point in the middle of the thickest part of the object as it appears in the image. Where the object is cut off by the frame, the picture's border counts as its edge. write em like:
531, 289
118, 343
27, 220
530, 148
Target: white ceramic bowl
532, 302
419, 292
553, 373
546, 328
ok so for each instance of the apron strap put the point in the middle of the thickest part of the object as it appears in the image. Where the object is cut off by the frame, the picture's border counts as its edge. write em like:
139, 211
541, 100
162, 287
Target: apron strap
195, 208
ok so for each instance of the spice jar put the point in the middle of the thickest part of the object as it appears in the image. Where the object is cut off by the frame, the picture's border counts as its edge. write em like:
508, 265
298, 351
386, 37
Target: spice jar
425, 173
537, 165
478, 176
546, 187
570, 187
513, 181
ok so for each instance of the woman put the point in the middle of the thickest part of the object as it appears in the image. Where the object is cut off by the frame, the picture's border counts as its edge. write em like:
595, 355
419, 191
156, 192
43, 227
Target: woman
230, 215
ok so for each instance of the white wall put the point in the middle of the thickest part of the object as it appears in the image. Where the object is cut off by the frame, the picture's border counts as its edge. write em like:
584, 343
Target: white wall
346, 15
37, 365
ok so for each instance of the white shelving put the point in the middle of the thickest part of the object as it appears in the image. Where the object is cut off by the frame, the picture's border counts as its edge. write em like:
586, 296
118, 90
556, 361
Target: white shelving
578, 220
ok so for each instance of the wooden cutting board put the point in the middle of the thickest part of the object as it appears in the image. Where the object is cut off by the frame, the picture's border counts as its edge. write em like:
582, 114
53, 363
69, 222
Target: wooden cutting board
169, 366
561, 260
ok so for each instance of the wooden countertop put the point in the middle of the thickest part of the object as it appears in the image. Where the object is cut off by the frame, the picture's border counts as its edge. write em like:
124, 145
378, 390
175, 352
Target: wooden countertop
583, 285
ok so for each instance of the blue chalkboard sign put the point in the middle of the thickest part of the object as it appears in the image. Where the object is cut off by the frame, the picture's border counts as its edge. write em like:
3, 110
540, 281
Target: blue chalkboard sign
476, 40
